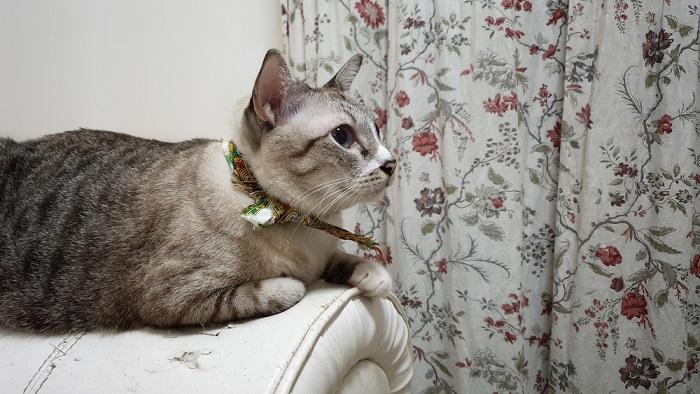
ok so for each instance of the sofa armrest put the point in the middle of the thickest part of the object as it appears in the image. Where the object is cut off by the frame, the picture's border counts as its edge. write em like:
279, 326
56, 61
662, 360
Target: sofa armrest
313, 345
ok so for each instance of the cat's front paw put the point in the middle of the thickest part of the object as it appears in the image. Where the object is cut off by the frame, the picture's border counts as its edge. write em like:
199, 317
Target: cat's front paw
280, 294
371, 279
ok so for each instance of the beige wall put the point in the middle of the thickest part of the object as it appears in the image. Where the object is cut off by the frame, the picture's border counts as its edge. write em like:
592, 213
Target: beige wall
166, 69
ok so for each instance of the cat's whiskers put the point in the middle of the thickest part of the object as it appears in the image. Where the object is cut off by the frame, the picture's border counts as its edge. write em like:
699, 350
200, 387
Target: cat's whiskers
327, 208
326, 195
339, 197
322, 185
317, 188
342, 192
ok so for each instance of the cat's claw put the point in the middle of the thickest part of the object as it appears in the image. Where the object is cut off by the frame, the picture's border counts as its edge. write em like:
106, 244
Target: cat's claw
371, 279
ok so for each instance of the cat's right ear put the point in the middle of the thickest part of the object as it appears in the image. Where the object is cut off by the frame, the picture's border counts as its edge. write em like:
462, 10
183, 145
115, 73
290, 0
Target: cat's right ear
268, 99
343, 79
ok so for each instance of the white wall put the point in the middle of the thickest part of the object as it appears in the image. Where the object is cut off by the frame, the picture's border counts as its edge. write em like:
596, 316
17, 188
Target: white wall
166, 69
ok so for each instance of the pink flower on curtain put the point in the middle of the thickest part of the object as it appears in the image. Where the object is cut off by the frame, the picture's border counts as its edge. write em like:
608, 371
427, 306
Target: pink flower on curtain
497, 202
500, 104
554, 135
442, 266
617, 284
370, 12
556, 15
495, 105
425, 143
507, 309
609, 255
695, 265
510, 338
517, 34
638, 372
412, 23
430, 201
654, 45
664, 124
551, 50
624, 169
518, 5
497, 22
634, 306
512, 101
402, 99
381, 117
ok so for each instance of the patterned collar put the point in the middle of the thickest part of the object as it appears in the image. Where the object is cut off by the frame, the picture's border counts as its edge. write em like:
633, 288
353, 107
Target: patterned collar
267, 210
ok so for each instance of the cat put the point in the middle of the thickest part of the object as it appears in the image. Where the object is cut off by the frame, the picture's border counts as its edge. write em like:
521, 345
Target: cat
106, 231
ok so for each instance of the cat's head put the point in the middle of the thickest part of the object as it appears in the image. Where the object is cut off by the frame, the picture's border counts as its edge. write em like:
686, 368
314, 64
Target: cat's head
314, 148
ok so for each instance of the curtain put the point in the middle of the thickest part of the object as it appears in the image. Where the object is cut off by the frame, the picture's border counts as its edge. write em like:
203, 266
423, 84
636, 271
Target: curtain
544, 227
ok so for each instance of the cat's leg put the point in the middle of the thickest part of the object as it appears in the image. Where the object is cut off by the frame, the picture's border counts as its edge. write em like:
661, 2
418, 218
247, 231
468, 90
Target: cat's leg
204, 306
371, 278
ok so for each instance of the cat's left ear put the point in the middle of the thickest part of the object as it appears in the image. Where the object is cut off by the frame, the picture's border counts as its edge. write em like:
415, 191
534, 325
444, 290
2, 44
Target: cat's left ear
343, 79
269, 99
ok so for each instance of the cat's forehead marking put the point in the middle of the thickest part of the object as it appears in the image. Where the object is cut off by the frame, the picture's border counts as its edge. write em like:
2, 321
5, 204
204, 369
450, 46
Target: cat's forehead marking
319, 121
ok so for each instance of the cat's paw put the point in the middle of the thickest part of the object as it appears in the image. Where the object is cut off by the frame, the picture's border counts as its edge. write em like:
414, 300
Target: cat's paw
371, 279
280, 294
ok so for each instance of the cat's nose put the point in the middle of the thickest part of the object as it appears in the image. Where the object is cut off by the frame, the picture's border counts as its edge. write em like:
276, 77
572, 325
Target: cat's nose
388, 167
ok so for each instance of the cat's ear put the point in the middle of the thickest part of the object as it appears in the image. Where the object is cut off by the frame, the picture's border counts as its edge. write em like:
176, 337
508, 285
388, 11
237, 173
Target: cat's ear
343, 79
270, 88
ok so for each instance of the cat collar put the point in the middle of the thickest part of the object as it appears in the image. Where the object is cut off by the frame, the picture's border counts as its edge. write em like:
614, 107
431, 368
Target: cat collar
267, 210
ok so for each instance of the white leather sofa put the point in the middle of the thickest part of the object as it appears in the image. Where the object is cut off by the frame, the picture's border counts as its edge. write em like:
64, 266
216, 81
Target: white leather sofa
333, 341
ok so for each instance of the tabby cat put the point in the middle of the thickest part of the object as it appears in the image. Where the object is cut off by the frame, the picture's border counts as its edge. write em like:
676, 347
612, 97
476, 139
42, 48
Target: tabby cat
101, 230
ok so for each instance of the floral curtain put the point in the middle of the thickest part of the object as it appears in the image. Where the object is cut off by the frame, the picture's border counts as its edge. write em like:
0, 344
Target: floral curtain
544, 229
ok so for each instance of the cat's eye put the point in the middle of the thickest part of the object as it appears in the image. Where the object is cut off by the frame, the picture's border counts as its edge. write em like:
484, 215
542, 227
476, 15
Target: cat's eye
343, 135
376, 130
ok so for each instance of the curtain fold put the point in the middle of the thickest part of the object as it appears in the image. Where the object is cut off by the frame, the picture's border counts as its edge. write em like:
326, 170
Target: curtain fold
543, 229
